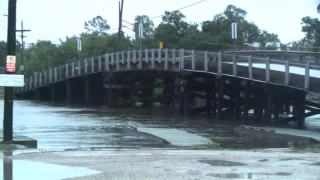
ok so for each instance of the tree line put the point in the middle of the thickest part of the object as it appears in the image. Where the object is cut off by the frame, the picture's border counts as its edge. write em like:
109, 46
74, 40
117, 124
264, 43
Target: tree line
174, 31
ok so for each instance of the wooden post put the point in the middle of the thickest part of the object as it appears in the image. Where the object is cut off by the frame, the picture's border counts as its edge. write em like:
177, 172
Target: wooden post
152, 58
166, 59
128, 60
220, 99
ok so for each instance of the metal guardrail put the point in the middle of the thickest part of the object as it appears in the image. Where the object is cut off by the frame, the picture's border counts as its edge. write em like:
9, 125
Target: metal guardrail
159, 59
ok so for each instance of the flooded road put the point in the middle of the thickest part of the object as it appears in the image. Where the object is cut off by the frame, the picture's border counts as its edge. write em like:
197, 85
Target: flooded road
60, 127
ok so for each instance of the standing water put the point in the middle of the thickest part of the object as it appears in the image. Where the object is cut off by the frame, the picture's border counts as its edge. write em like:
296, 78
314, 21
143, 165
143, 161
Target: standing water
62, 127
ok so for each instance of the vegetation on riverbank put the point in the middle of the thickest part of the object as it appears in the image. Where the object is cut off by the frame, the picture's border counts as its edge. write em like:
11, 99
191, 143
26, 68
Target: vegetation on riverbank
174, 31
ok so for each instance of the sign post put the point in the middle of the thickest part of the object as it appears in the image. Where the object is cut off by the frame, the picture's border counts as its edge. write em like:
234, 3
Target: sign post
140, 33
10, 69
79, 47
234, 34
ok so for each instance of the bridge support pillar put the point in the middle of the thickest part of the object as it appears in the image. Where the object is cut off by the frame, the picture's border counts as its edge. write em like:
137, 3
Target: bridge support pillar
269, 105
246, 96
68, 89
86, 90
169, 92
259, 103
301, 104
236, 100
37, 95
53, 93
108, 96
184, 103
148, 92
221, 83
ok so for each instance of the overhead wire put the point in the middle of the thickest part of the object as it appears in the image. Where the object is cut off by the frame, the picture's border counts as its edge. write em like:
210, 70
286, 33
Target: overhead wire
184, 7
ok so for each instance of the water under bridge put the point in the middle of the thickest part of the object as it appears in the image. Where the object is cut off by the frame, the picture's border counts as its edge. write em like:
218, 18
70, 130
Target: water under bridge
222, 85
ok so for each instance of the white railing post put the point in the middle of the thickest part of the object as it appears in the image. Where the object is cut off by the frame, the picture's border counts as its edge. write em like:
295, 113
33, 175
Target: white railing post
92, 64
206, 69
86, 66
146, 55
112, 58
307, 76
55, 74
250, 67
99, 59
152, 58
219, 62
234, 63
166, 59
50, 76
117, 61
140, 59
128, 60
40, 79
106, 62
45, 77
287, 73
181, 59
159, 56
72, 74
134, 56
173, 56
267, 69
122, 57
79, 67
193, 65
67, 70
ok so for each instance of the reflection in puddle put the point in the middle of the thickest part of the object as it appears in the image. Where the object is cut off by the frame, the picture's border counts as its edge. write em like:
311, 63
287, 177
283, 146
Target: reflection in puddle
231, 175
222, 163
21, 170
246, 175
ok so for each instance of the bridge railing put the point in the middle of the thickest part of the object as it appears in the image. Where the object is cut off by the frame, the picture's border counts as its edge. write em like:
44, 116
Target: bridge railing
164, 59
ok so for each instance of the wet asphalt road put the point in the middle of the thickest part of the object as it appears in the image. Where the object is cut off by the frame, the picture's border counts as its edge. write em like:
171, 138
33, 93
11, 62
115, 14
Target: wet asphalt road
166, 164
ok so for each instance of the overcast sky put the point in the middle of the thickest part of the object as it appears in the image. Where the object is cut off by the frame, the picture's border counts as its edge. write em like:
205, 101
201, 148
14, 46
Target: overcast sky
54, 19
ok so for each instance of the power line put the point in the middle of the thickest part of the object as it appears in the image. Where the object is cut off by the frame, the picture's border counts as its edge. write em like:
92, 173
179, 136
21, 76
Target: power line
190, 5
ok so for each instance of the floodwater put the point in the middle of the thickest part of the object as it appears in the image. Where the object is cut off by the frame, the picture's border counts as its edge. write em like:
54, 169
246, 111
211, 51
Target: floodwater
58, 127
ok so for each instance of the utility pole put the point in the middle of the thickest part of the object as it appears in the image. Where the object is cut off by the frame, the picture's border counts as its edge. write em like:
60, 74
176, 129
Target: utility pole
120, 23
8, 91
22, 46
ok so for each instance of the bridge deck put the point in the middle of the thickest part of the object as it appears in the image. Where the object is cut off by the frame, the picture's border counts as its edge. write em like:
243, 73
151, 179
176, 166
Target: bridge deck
181, 60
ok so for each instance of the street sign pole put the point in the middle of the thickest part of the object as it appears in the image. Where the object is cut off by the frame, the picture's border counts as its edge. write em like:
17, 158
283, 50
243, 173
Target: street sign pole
234, 34
8, 91
140, 33
79, 47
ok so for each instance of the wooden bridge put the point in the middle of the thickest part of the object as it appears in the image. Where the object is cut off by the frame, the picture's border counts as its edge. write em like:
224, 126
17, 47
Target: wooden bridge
222, 85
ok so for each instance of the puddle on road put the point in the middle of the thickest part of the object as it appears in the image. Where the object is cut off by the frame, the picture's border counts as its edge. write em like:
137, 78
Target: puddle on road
245, 175
222, 163
22, 169
231, 175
